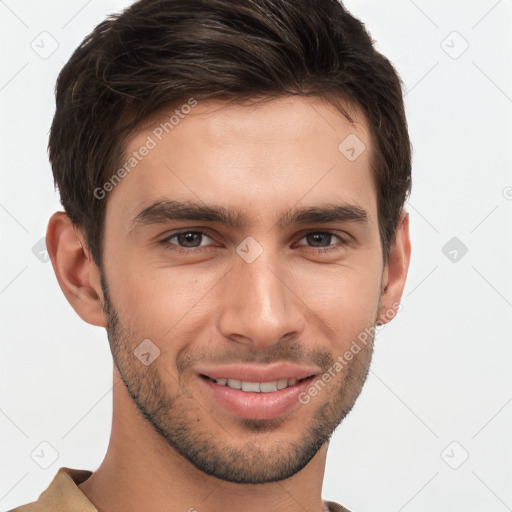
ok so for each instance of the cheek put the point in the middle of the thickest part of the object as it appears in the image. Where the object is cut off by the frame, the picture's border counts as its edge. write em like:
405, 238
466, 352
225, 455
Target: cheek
343, 298
159, 302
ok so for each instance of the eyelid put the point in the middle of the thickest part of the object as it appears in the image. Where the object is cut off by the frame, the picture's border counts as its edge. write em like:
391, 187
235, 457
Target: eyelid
201, 231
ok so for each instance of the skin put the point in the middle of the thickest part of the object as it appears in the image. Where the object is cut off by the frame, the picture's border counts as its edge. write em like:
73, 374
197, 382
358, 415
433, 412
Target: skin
293, 304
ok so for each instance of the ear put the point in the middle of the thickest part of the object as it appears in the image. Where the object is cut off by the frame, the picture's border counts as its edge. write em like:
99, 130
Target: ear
74, 267
395, 272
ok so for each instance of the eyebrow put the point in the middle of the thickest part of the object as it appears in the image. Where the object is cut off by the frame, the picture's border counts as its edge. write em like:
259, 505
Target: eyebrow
167, 210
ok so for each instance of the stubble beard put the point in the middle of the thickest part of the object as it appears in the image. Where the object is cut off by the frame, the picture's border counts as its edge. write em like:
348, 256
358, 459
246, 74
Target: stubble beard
179, 419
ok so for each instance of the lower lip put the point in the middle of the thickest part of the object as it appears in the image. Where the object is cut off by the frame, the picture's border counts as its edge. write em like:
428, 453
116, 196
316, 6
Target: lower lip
261, 406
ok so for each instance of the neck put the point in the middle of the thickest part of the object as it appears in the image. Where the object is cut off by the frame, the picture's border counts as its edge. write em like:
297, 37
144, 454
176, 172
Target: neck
141, 471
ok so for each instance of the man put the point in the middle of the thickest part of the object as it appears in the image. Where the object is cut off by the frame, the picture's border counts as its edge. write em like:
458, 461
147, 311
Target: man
233, 174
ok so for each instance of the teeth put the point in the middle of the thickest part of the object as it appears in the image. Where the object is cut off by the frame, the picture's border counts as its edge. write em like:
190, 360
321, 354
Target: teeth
281, 384
253, 387
257, 387
268, 387
235, 384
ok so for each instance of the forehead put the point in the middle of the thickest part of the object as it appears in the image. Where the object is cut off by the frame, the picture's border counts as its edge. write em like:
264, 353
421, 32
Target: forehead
256, 158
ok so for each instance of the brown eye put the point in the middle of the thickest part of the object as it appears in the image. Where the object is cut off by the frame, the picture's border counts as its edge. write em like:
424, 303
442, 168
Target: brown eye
189, 239
319, 239
186, 240
322, 240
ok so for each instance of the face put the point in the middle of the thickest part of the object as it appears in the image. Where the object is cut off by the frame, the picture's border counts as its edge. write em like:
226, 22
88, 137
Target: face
243, 251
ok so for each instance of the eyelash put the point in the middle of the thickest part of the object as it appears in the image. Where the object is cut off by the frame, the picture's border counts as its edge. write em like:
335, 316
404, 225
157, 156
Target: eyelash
194, 250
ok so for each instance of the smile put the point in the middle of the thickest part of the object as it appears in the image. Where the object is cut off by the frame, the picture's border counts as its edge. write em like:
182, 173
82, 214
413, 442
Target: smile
256, 387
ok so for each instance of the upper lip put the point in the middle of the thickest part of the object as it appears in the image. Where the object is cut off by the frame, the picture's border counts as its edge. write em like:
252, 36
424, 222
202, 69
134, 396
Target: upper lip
258, 373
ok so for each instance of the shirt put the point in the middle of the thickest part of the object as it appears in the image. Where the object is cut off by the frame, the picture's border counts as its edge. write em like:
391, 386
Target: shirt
64, 495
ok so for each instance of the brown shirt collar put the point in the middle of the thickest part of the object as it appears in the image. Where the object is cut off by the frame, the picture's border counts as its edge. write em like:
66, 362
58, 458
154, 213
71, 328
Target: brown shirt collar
64, 495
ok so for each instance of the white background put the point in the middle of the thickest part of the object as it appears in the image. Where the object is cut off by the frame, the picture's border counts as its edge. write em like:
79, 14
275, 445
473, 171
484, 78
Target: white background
441, 371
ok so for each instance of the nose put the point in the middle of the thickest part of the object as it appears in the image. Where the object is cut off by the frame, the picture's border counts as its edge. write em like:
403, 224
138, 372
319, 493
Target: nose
259, 306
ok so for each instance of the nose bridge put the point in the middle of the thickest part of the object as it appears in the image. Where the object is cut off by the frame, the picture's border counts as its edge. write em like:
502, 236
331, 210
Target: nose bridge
259, 306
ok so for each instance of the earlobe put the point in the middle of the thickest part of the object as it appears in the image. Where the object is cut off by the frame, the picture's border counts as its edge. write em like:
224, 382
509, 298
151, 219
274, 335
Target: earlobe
76, 272
395, 272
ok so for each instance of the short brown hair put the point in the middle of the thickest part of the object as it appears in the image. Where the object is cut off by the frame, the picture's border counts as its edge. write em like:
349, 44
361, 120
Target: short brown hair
159, 53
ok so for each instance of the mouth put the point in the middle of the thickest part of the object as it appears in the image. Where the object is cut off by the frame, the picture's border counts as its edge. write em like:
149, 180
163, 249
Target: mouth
264, 393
